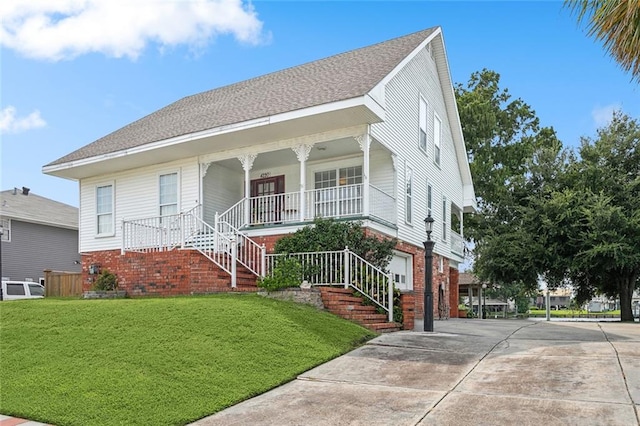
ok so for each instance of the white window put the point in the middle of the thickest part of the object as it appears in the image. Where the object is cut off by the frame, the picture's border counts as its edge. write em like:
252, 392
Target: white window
104, 210
444, 218
6, 230
437, 135
338, 192
168, 194
423, 124
441, 264
408, 193
429, 200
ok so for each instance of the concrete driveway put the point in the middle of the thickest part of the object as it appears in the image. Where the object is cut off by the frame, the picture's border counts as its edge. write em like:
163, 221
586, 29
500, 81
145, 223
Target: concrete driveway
480, 372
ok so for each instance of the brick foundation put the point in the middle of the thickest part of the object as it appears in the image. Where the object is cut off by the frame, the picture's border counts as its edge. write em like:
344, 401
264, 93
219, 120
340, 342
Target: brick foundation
169, 273
184, 272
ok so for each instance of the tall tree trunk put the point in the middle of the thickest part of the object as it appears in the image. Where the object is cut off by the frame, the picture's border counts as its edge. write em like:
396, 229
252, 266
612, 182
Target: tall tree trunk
627, 285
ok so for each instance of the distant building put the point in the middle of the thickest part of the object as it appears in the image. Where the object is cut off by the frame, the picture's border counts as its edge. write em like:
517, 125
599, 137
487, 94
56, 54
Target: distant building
559, 298
37, 234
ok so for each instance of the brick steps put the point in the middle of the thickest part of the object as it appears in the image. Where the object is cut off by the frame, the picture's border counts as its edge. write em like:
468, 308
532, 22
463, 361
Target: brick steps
342, 302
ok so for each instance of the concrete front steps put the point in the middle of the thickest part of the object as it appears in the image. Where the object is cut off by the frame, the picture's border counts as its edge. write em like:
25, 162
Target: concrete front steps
342, 302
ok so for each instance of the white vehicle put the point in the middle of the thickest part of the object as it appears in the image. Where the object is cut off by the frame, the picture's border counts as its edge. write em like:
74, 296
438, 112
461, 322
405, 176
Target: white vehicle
14, 290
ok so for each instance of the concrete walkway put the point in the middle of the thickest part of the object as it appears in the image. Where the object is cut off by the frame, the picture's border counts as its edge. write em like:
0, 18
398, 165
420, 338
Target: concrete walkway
487, 372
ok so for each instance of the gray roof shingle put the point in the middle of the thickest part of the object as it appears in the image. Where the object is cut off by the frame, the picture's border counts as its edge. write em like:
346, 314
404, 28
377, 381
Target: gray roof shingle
36, 209
340, 77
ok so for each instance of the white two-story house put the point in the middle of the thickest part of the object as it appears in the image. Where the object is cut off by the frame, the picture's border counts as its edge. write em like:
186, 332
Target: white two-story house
372, 134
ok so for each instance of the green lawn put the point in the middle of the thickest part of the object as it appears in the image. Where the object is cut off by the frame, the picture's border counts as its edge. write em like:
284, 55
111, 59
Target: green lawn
156, 361
573, 313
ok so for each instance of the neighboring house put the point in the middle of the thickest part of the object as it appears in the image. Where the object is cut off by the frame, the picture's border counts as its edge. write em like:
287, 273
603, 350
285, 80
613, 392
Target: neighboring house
372, 134
559, 298
38, 234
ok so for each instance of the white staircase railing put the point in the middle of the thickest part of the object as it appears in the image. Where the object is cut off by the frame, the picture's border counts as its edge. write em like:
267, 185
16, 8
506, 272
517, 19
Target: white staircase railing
223, 243
346, 268
247, 252
235, 215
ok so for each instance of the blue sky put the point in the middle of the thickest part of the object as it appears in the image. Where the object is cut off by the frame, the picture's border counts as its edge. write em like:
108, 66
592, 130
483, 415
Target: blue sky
67, 82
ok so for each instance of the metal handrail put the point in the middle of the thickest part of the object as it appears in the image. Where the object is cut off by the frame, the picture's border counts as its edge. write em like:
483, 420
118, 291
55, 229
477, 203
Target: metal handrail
345, 268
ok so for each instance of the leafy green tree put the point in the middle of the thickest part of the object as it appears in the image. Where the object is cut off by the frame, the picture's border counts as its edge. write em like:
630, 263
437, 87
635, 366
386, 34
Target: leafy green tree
503, 138
616, 23
592, 221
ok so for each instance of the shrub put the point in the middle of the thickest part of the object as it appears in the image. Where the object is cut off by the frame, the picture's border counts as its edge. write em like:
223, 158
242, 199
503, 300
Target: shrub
287, 273
333, 235
106, 281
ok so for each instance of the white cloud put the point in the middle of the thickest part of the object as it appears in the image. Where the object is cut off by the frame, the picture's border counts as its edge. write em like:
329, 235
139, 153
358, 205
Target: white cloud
10, 123
64, 29
602, 115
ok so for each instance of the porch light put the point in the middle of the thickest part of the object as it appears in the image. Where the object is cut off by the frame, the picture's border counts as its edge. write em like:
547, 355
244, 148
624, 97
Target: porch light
428, 224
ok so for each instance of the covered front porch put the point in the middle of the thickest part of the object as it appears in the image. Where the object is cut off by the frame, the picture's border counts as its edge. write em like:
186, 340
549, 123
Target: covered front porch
344, 177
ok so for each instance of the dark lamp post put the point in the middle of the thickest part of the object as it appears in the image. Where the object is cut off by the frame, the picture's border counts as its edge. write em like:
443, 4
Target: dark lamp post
428, 275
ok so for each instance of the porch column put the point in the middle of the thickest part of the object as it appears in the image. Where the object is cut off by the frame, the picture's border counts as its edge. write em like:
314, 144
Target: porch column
302, 152
470, 291
247, 164
365, 143
204, 168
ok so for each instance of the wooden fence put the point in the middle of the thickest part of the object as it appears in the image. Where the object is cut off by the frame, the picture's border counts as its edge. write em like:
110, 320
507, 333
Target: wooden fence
59, 283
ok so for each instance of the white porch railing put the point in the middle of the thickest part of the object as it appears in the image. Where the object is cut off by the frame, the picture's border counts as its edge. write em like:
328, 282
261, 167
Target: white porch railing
457, 244
234, 215
334, 202
160, 233
346, 268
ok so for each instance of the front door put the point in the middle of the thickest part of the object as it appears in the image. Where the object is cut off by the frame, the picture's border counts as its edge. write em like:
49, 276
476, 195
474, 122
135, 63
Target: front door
266, 204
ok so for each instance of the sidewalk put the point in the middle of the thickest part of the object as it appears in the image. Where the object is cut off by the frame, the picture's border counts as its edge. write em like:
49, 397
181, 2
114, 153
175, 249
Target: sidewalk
490, 372
14, 421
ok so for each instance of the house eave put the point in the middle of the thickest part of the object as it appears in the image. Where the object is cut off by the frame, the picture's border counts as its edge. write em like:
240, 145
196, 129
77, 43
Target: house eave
317, 119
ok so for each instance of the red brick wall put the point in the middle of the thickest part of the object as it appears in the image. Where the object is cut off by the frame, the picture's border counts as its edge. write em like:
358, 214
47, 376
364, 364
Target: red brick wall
418, 276
408, 302
454, 294
169, 273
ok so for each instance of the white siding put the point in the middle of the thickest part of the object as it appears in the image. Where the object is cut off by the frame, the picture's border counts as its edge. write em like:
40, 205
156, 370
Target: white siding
400, 132
136, 196
222, 188
381, 173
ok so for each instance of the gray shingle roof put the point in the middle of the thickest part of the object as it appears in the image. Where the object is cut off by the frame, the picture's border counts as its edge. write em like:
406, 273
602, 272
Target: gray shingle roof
36, 209
340, 77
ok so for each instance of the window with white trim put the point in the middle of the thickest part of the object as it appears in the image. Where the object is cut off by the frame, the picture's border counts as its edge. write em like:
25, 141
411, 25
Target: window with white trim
444, 218
423, 124
437, 136
338, 192
6, 230
168, 194
408, 194
104, 210
429, 200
